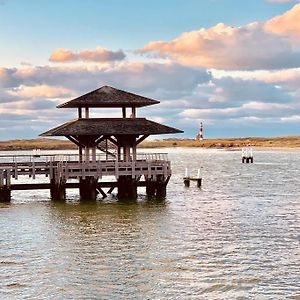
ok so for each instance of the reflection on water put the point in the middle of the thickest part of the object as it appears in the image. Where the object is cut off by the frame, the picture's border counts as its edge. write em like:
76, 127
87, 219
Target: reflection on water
235, 238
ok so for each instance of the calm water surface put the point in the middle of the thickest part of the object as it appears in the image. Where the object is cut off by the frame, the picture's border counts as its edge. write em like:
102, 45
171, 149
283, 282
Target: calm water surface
236, 238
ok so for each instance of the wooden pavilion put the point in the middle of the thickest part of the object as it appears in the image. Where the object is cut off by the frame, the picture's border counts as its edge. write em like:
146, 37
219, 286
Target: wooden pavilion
117, 139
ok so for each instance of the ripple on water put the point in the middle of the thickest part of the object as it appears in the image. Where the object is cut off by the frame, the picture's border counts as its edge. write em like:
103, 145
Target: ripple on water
235, 238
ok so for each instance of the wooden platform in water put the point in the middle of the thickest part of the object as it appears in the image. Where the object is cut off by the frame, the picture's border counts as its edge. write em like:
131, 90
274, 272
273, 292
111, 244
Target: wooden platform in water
68, 167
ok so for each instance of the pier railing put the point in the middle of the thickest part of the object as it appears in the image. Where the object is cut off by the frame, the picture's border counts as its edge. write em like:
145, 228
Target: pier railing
68, 166
31, 158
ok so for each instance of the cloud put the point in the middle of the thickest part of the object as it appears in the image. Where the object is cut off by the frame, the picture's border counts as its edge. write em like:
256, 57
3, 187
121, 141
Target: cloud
98, 55
169, 80
255, 46
40, 91
286, 24
187, 94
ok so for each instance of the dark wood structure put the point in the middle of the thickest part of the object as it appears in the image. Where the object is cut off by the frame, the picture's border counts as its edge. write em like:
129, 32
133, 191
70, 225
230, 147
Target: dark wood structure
115, 138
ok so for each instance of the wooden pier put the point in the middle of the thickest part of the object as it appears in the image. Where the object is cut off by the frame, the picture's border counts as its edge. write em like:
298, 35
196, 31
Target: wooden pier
107, 148
61, 169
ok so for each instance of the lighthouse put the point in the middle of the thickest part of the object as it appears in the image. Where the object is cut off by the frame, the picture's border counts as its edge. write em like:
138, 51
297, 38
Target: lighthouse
199, 136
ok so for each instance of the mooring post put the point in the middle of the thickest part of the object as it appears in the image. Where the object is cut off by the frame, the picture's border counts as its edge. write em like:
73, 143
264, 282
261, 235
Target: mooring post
186, 182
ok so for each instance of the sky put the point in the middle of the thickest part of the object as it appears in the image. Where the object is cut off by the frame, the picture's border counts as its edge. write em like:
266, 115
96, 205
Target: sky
233, 65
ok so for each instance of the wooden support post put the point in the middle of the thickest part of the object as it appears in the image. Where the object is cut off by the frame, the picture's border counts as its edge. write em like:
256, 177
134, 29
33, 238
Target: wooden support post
1, 178
51, 175
150, 187
88, 188
133, 169
124, 112
99, 169
80, 154
133, 112
127, 187
33, 170
8, 178
16, 171
94, 154
79, 112
57, 189
5, 194
87, 113
161, 186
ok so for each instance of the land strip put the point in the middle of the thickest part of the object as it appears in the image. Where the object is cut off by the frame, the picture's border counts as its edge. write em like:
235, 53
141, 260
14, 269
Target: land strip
228, 143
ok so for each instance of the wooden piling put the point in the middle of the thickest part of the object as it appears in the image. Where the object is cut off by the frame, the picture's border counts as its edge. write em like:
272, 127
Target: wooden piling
58, 189
161, 186
5, 194
127, 187
88, 188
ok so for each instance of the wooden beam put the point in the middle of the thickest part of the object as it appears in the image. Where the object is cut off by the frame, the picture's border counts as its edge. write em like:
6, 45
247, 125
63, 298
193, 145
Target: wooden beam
100, 191
112, 140
100, 139
141, 139
73, 140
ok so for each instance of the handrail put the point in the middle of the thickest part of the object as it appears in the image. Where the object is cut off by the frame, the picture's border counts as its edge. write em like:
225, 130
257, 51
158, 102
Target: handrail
73, 157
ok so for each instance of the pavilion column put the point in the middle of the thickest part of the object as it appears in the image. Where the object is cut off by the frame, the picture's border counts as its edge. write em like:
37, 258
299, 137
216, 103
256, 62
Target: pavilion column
133, 112
79, 113
87, 113
124, 112
134, 153
94, 154
127, 153
80, 154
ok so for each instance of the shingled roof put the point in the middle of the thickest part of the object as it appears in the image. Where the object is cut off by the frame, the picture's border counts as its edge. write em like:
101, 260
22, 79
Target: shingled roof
111, 126
107, 96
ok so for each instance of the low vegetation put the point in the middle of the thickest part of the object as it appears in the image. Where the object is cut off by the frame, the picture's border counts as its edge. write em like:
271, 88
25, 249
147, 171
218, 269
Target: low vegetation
54, 144
276, 142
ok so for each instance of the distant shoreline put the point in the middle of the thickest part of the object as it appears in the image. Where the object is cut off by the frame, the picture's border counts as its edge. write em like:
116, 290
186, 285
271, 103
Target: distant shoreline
290, 142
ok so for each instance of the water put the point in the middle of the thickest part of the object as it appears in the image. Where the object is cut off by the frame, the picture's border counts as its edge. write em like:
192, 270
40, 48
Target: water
236, 238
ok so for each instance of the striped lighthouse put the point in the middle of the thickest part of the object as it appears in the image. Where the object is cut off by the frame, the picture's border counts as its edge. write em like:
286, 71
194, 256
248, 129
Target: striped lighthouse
199, 136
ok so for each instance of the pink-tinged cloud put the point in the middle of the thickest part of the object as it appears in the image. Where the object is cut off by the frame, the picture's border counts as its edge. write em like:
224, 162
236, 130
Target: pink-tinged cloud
41, 92
255, 46
63, 55
286, 24
98, 55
